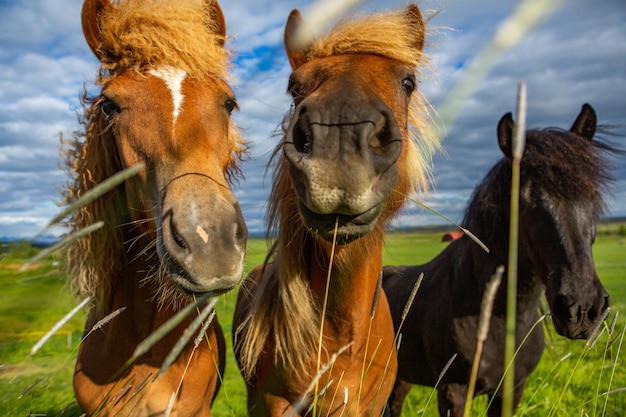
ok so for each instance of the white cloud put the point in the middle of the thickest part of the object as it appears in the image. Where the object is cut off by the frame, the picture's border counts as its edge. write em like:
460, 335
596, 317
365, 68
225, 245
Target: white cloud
576, 56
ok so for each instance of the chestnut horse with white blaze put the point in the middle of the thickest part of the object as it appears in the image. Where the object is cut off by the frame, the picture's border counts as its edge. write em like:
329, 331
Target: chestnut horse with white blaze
173, 230
359, 130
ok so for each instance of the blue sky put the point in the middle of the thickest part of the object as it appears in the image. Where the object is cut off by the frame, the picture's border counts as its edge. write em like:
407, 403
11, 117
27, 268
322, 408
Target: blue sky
576, 55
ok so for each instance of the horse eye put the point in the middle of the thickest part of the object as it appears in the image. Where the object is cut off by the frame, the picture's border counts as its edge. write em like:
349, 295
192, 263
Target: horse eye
231, 104
408, 84
109, 107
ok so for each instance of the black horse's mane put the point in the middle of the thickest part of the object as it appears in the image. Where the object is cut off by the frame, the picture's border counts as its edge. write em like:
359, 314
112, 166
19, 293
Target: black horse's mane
557, 164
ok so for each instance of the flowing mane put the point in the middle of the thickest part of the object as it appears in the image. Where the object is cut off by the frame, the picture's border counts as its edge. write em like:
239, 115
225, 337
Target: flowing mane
144, 34
387, 34
285, 309
137, 36
550, 155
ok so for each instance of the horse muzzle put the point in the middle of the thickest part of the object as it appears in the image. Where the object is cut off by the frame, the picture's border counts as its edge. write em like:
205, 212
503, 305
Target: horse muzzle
574, 320
202, 238
343, 164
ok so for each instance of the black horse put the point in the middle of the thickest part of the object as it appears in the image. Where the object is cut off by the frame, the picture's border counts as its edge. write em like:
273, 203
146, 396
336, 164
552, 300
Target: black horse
563, 175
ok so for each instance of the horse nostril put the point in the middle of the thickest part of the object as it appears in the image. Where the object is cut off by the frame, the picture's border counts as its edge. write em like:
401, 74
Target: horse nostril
381, 138
301, 138
178, 238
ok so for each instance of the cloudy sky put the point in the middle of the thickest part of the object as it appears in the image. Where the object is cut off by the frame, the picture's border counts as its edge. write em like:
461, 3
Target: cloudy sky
576, 54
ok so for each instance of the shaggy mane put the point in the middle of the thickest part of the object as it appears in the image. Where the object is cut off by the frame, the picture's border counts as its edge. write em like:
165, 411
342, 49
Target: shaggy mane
139, 34
136, 35
559, 163
283, 305
391, 35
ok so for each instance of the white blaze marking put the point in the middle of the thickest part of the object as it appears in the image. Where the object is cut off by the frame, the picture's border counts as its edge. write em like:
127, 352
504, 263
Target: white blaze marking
173, 77
202, 233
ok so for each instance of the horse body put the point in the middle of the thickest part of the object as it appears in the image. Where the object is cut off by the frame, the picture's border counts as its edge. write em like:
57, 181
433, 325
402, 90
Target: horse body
556, 233
348, 317
347, 145
135, 391
165, 104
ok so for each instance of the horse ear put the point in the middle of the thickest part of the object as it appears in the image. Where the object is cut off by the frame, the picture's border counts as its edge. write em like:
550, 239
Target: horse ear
416, 20
296, 51
90, 17
215, 11
585, 124
505, 134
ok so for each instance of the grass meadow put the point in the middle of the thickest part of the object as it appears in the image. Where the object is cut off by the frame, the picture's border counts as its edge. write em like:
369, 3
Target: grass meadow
571, 380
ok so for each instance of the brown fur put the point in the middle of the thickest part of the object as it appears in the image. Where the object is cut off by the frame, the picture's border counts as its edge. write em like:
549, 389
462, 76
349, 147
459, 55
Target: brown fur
134, 288
283, 311
92, 155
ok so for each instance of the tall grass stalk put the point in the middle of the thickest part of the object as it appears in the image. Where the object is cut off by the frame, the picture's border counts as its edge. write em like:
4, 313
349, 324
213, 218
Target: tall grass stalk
511, 363
458, 226
517, 149
161, 332
486, 309
313, 386
619, 348
57, 326
439, 378
324, 306
186, 336
44, 253
527, 15
565, 386
100, 189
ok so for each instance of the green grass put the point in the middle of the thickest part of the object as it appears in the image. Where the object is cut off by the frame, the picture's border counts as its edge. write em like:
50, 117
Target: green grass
32, 301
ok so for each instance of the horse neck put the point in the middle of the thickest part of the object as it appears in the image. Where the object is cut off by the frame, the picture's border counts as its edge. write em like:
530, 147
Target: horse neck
354, 274
488, 218
134, 289
484, 265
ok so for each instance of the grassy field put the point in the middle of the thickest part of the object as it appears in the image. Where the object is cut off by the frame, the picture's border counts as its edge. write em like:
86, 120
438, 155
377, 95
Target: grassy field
570, 380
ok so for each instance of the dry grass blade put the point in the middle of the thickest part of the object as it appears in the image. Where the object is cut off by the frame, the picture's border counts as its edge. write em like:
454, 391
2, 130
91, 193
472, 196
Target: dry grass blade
325, 304
97, 191
606, 399
186, 336
320, 394
510, 32
57, 326
439, 378
595, 332
103, 322
164, 329
522, 343
31, 387
170, 405
299, 405
486, 308
461, 228
409, 302
318, 16
44, 253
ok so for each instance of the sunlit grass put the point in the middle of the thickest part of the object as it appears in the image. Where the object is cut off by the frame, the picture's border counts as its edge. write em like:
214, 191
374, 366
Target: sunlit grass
33, 301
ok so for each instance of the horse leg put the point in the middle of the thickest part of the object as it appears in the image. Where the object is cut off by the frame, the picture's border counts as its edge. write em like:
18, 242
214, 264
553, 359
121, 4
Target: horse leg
396, 398
451, 399
495, 410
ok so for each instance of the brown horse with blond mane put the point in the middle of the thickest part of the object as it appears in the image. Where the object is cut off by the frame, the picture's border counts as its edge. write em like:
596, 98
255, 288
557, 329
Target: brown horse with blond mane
173, 230
359, 130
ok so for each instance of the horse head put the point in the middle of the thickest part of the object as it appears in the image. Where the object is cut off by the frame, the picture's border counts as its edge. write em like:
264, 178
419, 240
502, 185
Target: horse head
347, 138
559, 199
172, 114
